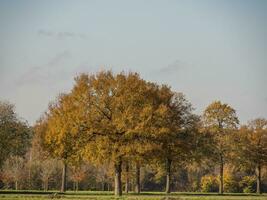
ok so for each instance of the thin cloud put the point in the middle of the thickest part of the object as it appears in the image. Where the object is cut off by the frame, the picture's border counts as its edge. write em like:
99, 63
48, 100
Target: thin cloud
46, 72
60, 35
45, 33
175, 66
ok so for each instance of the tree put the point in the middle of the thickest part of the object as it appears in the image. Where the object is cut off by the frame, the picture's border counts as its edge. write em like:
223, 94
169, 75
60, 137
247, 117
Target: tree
175, 126
61, 133
15, 134
251, 147
219, 121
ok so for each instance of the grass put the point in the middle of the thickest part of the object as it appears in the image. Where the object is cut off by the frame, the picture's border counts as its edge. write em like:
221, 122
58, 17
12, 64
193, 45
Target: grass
95, 195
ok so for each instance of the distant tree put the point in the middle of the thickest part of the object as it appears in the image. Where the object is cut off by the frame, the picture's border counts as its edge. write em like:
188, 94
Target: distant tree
231, 179
48, 168
219, 121
36, 157
251, 147
196, 170
13, 170
104, 175
78, 173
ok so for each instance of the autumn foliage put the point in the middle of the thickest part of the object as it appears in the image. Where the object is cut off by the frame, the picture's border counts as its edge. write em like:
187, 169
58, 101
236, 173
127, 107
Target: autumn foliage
137, 131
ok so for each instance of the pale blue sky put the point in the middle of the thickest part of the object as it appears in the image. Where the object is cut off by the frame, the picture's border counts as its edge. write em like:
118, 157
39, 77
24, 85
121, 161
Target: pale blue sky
207, 49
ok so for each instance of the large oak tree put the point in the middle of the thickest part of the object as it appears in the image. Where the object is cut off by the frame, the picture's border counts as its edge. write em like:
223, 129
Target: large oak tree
119, 114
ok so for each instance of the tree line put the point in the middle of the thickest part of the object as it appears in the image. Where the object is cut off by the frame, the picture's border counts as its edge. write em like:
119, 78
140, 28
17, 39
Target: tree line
142, 134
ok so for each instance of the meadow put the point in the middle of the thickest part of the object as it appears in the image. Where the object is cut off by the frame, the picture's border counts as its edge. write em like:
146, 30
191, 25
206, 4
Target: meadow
94, 195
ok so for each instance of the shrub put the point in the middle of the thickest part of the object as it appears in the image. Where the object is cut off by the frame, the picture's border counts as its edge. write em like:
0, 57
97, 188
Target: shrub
209, 183
248, 184
231, 183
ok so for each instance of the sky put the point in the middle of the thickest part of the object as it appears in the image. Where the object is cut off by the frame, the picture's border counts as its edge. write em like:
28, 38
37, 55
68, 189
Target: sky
207, 49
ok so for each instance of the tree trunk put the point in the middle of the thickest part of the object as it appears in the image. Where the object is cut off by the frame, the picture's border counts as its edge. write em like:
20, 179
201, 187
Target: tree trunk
103, 185
45, 185
133, 184
258, 174
30, 171
64, 177
221, 176
16, 185
137, 188
127, 178
168, 175
29, 177
118, 188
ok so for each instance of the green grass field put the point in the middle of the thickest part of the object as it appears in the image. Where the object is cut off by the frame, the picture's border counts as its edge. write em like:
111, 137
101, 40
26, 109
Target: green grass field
83, 195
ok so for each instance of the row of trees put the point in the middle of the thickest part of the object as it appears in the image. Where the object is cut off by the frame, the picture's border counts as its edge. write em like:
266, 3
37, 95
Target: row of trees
125, 122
